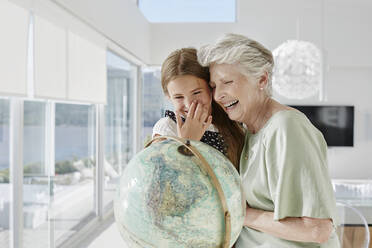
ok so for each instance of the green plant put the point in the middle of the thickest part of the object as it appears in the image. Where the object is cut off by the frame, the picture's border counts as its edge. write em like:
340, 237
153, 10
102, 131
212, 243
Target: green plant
4, 176
34, 168
89, 162
64, 167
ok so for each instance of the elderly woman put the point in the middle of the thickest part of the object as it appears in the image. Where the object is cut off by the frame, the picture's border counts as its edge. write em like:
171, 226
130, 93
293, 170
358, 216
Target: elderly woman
283, 165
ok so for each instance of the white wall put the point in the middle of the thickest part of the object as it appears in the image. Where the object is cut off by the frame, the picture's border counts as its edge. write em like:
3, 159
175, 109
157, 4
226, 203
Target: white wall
353, 85
343, 26
117, 24
268, 21
120, 20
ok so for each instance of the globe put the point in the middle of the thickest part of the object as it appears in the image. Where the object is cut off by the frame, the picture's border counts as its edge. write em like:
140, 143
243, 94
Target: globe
165, 198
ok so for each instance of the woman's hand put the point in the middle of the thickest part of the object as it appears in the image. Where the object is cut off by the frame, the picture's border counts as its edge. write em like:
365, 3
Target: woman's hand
196, 123
304, 229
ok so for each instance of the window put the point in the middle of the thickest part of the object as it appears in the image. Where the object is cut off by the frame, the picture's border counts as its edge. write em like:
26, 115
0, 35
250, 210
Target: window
4, 174
34, 140
35, 176
72, 187
121, 77
188, 10
154, 102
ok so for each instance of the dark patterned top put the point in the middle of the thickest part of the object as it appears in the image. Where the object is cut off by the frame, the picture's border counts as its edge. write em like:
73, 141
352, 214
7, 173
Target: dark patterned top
211, 138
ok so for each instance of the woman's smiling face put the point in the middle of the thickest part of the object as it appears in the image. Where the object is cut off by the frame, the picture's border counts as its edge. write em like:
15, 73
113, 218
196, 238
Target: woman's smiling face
183, 90
235, 92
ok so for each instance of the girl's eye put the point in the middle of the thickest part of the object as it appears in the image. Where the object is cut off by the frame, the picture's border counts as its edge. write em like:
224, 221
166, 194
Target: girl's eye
228, 82
197, 92
178, 97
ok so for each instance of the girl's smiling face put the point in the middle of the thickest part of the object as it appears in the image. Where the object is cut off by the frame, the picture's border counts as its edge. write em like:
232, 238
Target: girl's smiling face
183, 90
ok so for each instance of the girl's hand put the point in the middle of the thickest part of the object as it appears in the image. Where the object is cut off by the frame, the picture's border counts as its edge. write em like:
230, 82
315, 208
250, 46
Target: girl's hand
197, 121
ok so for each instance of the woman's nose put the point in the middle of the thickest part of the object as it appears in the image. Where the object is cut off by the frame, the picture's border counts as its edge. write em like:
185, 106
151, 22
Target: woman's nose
217, 94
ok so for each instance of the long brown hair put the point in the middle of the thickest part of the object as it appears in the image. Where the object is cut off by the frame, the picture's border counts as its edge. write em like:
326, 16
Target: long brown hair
184, 62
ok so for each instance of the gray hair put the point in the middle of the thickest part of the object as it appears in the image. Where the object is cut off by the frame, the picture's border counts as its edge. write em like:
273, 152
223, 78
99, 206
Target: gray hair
253, 58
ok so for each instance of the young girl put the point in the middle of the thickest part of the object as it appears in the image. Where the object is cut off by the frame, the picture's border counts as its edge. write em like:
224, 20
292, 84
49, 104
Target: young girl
197, 116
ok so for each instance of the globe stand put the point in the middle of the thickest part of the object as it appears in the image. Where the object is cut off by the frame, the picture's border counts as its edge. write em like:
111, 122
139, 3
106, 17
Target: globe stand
188, 150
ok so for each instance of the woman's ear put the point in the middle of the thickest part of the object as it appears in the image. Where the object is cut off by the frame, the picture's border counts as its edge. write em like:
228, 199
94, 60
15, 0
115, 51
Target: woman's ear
262, 83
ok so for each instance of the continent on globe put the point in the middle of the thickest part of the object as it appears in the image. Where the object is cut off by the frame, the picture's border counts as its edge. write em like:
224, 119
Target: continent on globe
168, 195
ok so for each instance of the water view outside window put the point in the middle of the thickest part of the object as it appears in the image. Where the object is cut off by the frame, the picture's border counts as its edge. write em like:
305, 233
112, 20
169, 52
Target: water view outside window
35, 177
72, 188
121, 77
188, 10
4, 174
154, 102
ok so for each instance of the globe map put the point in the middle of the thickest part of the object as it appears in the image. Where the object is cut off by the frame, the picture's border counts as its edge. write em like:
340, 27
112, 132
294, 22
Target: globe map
165, 200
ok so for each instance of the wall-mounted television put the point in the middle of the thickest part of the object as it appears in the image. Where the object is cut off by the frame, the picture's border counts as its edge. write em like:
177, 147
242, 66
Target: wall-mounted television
336, 122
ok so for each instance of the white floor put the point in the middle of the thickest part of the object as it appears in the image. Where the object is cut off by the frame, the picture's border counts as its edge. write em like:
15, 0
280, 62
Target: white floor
109, 238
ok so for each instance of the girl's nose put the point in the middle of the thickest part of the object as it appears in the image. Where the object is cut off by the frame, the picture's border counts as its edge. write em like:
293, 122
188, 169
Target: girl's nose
189, 101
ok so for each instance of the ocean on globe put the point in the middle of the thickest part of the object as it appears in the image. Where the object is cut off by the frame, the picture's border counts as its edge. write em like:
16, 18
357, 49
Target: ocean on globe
165, 200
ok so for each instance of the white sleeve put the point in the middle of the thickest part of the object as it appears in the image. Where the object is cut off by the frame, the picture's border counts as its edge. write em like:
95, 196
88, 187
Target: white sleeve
165, 126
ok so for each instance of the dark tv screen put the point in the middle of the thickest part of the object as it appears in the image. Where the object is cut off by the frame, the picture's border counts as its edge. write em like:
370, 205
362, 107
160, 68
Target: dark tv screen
335, 122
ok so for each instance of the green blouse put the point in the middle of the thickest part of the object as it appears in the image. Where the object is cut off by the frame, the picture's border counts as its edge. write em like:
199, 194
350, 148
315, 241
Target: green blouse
284, 170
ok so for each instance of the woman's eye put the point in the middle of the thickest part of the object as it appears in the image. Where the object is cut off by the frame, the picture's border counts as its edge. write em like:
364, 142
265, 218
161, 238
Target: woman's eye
228, 82
197, 92
178, 97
